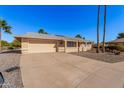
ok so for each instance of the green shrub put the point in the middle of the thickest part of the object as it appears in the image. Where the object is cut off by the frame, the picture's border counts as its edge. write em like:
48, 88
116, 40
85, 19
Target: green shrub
16, 43
4, 43
117, 47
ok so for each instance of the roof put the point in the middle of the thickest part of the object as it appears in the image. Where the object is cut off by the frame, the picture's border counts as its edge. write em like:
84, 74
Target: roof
121, 40
49, 36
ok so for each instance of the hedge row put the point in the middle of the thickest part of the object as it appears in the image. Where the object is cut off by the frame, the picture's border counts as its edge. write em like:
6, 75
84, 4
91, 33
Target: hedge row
117, 47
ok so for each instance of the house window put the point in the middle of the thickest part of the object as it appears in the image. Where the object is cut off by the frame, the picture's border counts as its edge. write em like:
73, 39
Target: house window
71, 44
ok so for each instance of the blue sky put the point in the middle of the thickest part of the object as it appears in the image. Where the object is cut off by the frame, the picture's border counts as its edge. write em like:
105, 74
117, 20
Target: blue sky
62, 20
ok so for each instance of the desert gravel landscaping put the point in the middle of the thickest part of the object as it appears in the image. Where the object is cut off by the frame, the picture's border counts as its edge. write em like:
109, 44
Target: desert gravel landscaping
104, 57
9, 66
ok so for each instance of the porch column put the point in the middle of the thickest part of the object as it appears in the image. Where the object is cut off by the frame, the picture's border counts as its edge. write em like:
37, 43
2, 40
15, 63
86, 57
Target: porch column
86, 45
57, 48
77, 45
65, 46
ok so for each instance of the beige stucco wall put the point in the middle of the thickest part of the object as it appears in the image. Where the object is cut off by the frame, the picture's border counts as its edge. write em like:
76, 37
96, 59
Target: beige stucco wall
71, 49
89, 46
80, 49
24, 45
61, 49
85, 47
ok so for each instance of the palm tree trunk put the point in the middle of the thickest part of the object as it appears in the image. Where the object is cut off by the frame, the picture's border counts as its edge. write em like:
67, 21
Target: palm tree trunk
104, 33
0, 41
98, 22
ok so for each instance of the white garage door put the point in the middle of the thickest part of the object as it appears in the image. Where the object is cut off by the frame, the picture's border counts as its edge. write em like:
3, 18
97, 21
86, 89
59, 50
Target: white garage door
41, 46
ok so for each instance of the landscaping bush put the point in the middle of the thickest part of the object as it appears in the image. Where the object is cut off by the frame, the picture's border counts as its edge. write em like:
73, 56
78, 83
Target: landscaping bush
4, 43
117, 47
16, 43
11, 47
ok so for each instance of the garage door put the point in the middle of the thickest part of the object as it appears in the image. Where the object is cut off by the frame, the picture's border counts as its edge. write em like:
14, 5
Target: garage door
41, 46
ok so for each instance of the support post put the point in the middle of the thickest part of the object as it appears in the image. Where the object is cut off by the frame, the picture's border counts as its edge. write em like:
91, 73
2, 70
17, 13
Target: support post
57, 49
65, 46
77, 45
86, 46
85, 43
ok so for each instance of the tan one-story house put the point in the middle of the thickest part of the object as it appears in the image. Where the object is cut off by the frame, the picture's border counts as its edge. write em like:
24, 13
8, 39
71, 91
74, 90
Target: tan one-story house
42, 43
119, 41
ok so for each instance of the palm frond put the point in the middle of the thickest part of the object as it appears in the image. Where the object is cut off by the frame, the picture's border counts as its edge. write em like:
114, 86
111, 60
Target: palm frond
4, 23
7, 29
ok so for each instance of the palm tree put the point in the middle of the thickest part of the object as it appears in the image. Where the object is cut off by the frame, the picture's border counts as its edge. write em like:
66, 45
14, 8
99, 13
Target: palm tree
104, 33
98, 23
4, 26
120, 35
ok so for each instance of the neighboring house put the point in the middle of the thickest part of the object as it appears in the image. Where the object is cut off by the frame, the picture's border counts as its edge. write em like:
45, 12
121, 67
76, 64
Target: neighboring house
42, 43
116, 42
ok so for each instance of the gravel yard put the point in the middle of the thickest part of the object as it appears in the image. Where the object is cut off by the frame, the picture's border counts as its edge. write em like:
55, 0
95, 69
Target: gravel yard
106, 57
9, 66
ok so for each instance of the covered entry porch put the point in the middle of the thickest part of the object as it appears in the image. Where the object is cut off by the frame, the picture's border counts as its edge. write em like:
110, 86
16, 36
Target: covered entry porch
69, 46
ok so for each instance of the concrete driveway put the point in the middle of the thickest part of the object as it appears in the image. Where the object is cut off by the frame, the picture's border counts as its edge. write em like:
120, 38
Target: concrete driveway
61, 70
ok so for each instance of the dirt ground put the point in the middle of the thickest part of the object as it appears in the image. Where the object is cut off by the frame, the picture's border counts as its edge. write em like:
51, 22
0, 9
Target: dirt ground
106, 57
